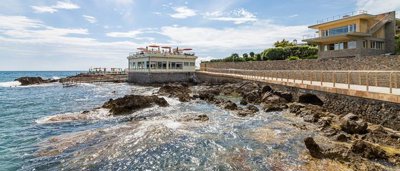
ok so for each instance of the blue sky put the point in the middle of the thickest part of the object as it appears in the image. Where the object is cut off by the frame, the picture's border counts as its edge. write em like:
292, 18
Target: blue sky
77, 35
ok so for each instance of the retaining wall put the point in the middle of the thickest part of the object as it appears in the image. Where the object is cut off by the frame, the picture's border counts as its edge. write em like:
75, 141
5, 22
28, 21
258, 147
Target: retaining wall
162, 77
355, 63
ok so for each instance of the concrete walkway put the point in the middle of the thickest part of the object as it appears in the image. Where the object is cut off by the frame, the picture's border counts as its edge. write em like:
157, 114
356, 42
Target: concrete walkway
372, 92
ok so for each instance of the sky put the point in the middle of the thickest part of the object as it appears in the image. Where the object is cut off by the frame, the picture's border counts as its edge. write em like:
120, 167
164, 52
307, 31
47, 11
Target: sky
51, 35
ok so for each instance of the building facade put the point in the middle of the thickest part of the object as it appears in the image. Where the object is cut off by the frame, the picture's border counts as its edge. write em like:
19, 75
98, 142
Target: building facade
156, 64
355, 35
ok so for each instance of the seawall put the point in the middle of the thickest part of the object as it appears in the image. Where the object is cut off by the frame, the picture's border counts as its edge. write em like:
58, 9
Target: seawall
355, 63
375, 111
161, 77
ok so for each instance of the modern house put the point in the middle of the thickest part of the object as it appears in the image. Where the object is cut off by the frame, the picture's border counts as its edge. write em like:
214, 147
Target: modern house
354, 35
161, 64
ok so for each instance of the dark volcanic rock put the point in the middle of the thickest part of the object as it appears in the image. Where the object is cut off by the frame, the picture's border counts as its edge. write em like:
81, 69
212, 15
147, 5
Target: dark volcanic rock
130, 103
31, 80
230, 105
265, 89
208, 95
352, 125
368, 150
252, 108
313, 147
176, 90
310, 99
273, 107
251, 97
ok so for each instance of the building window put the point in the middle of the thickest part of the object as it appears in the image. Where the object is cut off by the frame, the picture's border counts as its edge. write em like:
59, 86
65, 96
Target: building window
376, 45
339, 30
186, 63
192, 64
365, 44
351, 45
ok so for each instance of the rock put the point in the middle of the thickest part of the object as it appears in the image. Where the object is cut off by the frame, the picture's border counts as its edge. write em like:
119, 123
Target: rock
230, 105
252, 108
311, 118
248, 87
286, 95
313, 148
310, 99
295, 107
31, 80
272, 107
352, 125
176, 90
342, 138
243, 102
202, 118
368, 150
265, 89
85, 112
131, 103
208, 95
246, 112
251, 97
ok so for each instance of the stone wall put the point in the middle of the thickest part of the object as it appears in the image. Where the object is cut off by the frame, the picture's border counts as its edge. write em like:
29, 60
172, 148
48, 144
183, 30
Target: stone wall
153, 78
356, 63
374, 111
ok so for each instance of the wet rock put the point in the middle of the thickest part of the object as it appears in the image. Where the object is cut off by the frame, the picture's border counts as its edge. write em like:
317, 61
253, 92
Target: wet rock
368, 150
208, 95
271, 98
248, 87
202, 118
253, 108
85, 112
243, 102
230, 105
246, 112
313, 147
131, 103
286, 95
353, 125
31, 80
310, 99
176, 90
193, 117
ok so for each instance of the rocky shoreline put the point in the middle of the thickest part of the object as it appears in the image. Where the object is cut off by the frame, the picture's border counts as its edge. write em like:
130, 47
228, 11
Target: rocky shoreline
79, 78
350, 140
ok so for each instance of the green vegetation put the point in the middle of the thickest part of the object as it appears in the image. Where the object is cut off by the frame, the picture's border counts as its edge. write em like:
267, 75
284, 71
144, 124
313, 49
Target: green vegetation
293, 58
283, 50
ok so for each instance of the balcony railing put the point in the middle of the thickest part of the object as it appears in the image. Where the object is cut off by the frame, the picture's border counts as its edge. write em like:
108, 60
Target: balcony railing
341, 16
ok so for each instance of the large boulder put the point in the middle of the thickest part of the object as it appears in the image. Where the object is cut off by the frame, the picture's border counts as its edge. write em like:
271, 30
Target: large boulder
271, 98
176, 90
31, 80
131, 103
353, 125
208, 95
310, 99
251, 97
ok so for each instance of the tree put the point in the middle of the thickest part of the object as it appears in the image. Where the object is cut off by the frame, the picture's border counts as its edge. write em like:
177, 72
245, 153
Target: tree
235, 57
258, 57
245, 56
283, 43
251, 54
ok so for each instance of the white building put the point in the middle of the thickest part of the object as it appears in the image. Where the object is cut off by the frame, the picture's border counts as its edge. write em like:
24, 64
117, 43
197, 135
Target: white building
150, 64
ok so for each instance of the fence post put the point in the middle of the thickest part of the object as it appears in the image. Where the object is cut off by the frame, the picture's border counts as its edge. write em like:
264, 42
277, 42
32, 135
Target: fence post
302, 77
348, 79
311, 78
322, 78
390, 82
334, 78
367, 81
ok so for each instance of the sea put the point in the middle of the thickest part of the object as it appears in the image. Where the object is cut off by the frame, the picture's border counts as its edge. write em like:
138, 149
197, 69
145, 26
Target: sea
51, 127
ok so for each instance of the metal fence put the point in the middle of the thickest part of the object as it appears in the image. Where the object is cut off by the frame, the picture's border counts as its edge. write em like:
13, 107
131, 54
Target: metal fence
333, 78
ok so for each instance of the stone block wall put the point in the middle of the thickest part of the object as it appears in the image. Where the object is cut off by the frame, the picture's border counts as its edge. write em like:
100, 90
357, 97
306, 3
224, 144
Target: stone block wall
355, 63
154, 78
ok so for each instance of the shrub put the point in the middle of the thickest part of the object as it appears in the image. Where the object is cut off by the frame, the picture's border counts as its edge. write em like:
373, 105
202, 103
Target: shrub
293, 58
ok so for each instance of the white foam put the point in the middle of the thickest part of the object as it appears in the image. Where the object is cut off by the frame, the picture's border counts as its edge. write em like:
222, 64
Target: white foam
10, 84
55, 78
97, 114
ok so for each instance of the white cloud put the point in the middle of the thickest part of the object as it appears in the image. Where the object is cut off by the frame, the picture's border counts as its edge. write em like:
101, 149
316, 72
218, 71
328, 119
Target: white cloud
123, 2
379, 6
183, 12
54, 8
259, 35
294, 15
238, 16
129, 34
90, 19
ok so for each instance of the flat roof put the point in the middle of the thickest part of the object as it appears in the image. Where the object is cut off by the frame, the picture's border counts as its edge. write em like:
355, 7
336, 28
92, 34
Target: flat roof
359, 16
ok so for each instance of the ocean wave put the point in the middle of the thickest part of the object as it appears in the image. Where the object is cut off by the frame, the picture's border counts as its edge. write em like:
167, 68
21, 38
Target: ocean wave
55, 78
97, 114
10, 84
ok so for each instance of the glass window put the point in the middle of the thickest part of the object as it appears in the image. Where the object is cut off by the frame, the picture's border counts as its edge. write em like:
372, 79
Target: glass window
179, 65
352, 45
